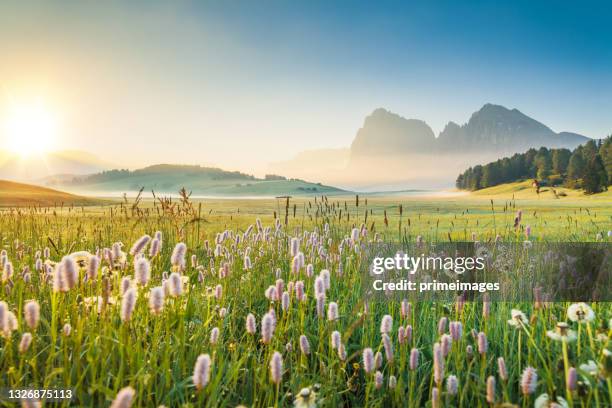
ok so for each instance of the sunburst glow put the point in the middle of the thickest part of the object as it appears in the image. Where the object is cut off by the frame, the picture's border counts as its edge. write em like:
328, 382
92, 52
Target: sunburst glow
29, 128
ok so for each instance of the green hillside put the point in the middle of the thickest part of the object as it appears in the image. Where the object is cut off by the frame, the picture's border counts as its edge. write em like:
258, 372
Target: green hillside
525, 190
20, 195
166, 178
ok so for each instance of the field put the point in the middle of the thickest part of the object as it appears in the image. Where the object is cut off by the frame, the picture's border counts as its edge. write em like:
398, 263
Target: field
17, 194
149, 322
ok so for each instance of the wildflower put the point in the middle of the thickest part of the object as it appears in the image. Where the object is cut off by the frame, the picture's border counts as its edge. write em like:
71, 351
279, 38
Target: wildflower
320, 306
491, 389
271, 294
562, 333
518, 319
70, 271
319, 287
335, 339
218, 292
326, 276
401, 335
529, 381
414, 359
332, 311
378, 380
388, 346
486, 306
175, 285
295, 246
354, 235
4, 316
126, 283
142, 271
341, 352
285, 301
572, 379
299, 290
435, 398
156, 300
140, 245
201, 371
267, 327
309, 270
368, 360
405, 309
442, 325
456, 330
408, 333
92, 267
306, 398
67, 330
483, 345
501, 369
527, 231
543, 401
276, 368
178, 256
438, 363
127, 304
304, 345
7, 271
386, 325
446, 341
452, 385
24, 345
392, 382
155, 248
580, 312
251, 325
214, 336
124, 398
31, 312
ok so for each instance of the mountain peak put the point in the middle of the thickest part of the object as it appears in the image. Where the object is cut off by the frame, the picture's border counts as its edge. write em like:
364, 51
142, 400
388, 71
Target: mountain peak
493, 128
387, 132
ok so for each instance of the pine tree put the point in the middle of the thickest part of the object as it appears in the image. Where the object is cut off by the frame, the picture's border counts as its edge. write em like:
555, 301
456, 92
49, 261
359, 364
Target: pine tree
595, 179
606, 155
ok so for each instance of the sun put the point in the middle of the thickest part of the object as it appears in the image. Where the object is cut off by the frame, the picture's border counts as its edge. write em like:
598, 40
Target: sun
29, 128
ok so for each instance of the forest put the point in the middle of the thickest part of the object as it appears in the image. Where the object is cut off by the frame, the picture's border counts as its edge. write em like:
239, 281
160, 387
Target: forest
587, 167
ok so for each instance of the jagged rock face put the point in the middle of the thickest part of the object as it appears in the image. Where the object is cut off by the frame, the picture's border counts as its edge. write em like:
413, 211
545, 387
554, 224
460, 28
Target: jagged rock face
384, 132
493, 129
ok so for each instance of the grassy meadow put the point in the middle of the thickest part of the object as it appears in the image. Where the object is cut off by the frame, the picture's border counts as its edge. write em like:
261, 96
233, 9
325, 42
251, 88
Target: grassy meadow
149, 322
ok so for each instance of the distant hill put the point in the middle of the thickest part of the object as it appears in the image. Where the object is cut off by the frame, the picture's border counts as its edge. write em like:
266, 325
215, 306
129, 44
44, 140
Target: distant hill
39, 166
170, 178
18, 194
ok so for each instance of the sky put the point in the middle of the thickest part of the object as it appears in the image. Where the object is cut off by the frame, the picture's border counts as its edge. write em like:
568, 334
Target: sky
239, 84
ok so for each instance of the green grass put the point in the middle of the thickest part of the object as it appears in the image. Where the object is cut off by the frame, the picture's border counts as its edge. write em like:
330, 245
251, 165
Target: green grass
22, 195
524, 190
156, 354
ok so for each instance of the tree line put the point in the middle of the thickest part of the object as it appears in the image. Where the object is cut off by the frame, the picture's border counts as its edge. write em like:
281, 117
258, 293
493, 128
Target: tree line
589, 167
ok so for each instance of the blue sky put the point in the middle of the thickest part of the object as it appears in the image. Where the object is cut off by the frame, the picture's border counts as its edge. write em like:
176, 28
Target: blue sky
250, 82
